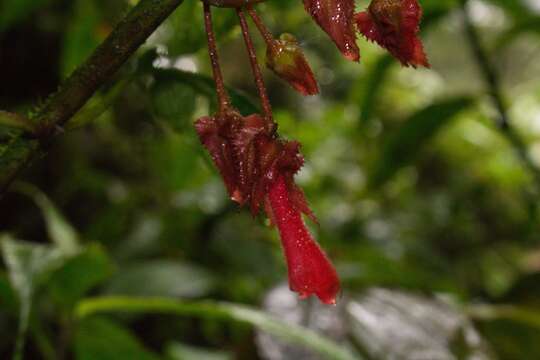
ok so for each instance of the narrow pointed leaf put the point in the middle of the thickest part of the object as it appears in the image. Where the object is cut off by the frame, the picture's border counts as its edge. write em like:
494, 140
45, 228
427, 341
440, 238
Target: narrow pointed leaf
403, 146
217, 310
59, 229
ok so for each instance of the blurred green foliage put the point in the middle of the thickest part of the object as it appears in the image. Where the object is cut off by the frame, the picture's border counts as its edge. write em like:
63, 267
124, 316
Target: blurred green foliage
135, 251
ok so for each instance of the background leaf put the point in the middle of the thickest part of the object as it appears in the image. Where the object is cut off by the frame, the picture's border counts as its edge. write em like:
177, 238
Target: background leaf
161, 278
83, 34
102, 339
28, 266
59, 230
402, 147
15, 121
79, 274
178, 351
13, 11
173, 101
374, 84
226, 311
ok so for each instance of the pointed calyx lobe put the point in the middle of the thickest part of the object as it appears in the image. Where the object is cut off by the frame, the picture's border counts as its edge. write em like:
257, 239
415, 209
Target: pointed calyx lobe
336, 18
286, 59
394, 25
250, 157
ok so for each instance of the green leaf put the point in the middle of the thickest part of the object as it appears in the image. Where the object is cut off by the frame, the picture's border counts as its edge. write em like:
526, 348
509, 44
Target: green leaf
217, 310
97, 105
511, 340
374, 84
429, 5
404, 145
184, 29
173, 100
524, 24
516, 8
14, 150
8, 298
161, 278
28, 265
204, 85
16, 121
528, 316
58, 228
102, 339
511, 330
13, 11
81, 36
79, 275
178, 351
201, 84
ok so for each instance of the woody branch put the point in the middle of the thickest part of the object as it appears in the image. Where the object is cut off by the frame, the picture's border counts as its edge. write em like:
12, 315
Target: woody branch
128, 35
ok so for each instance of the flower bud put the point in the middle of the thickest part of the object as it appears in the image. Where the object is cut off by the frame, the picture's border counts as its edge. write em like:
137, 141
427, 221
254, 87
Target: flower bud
286, 59
336, 18
394, 25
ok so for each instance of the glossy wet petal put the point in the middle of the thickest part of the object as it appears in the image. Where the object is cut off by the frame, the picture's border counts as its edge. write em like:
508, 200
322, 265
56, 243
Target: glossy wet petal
310, 270
336, 18
286, 59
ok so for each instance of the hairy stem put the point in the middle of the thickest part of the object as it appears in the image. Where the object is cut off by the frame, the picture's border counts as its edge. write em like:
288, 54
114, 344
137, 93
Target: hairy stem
223, 98
257, 74
124, 40
265, 33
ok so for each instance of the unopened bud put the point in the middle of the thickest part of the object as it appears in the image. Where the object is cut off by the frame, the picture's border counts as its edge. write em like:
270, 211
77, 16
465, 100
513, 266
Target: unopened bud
336, 18
285, 58
394, 25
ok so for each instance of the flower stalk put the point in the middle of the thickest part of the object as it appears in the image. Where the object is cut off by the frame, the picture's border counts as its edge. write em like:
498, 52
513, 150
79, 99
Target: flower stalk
256, 70
263, 30
223, 97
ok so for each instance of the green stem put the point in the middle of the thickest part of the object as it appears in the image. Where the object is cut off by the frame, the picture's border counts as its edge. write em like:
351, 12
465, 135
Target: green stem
489, 312
215, 310
503, 120
24, 316
124, 40
43, 343
493, 84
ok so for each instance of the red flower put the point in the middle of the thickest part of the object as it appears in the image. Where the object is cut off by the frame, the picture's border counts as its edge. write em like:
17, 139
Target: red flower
256, 165
336, 18
310, 271
394, 25
258, 169
286, 59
